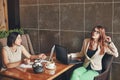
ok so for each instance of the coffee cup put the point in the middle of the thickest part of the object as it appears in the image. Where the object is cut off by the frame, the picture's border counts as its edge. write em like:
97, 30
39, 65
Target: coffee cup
50, 65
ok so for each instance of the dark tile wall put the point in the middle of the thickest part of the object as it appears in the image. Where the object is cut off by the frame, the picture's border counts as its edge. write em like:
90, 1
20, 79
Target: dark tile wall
72, 17
49, 17
68, 22
47, 39
29, 17
98, 13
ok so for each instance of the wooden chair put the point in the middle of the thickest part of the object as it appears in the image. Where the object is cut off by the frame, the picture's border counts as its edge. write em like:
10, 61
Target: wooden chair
26, 42
106, 65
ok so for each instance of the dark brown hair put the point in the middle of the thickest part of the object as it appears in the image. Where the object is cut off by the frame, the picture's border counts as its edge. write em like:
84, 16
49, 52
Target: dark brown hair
11, 38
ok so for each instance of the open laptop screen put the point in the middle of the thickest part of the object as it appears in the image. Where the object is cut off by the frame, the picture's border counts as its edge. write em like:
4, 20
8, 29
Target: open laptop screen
51, 53
61, 54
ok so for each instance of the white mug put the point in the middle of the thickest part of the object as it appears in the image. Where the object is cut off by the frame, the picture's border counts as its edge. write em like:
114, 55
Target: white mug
50, 65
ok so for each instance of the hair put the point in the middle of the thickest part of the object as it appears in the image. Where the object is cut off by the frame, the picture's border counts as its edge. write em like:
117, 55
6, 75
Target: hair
11, 38
102, 37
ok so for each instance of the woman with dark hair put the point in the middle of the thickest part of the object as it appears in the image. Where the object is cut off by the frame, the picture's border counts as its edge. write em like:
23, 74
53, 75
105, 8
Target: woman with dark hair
12, 53
93, 50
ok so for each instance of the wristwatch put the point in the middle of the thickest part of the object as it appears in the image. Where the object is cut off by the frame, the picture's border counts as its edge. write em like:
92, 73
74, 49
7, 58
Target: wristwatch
109, 42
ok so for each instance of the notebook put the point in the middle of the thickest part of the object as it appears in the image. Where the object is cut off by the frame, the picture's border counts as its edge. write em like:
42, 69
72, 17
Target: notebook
64, 57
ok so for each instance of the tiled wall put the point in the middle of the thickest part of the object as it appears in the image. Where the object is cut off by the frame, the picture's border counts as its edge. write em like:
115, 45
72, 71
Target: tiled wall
68, 22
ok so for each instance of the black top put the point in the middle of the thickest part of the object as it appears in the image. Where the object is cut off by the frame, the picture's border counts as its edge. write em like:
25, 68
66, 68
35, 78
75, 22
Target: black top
90, 53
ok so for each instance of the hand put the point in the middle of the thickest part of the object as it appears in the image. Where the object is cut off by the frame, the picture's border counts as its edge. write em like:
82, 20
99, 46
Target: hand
42, 56
26, 60
108, 39
79, 59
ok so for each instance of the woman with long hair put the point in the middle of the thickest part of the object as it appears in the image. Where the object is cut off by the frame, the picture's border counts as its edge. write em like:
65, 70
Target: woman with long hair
93, 50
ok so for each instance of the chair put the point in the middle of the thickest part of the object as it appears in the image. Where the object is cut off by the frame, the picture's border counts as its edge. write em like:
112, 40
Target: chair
106, 66
26, 42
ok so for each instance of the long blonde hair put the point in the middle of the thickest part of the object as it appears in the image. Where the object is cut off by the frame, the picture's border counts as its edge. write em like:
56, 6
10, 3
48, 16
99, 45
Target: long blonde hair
101, 40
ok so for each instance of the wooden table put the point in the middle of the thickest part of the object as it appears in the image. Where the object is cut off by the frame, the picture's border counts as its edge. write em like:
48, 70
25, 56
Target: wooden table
28, 74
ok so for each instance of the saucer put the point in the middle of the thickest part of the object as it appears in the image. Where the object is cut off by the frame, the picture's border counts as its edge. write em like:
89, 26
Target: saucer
50, 67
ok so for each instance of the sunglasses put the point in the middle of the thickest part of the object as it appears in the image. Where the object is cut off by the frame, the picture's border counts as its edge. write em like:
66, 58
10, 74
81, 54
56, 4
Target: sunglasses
96, 31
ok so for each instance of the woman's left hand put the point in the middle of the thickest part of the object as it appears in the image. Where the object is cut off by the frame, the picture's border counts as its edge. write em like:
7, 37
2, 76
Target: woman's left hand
42, 56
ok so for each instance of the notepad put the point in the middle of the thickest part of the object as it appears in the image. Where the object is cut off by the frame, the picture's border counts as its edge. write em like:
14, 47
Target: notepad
26, 66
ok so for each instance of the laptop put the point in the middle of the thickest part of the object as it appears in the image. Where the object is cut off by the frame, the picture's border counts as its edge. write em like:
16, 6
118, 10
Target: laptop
63, 56
49, 58
51, 53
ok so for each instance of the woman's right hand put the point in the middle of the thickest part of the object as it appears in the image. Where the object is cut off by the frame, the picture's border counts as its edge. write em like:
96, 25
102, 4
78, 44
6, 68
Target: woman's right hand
42, 56
26, 61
